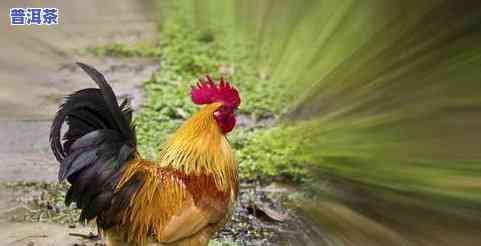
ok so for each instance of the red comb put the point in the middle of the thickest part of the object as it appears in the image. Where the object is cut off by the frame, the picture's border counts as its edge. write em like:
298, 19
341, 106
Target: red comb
207, 91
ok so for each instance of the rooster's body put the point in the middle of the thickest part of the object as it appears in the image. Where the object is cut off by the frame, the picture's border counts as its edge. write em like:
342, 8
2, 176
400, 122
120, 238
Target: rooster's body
180, 199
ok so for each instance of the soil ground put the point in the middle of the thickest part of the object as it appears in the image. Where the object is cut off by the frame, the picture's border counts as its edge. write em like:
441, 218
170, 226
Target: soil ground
36, 71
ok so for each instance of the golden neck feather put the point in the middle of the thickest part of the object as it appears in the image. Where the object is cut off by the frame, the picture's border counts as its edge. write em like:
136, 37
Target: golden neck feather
199, 147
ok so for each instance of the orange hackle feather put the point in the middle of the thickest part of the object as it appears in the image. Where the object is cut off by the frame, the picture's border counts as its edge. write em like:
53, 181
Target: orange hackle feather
196, 164
199, 147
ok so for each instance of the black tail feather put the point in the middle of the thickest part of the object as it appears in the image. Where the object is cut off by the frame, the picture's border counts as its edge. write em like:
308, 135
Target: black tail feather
120, 201
99, 141
110, 99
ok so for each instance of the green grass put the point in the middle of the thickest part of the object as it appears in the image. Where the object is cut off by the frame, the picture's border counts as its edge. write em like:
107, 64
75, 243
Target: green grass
124, 50
186, 54
386, 114
222, 243
363, 147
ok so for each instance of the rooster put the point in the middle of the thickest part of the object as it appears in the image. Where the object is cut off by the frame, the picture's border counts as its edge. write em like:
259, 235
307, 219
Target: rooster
182, 198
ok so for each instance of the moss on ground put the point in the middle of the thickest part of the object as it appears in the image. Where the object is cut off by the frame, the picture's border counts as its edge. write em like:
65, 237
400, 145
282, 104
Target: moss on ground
42, 202
125, 50
186, 54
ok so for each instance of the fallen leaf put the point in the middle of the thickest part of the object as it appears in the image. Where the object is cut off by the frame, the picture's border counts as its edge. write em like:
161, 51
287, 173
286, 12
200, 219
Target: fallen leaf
265, 212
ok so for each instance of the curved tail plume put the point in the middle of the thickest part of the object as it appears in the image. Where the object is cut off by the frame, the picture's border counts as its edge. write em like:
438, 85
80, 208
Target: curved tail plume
98, 142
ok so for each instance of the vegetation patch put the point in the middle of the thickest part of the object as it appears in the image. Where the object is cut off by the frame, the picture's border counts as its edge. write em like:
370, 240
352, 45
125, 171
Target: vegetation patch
125, 50
186, 54
42, 202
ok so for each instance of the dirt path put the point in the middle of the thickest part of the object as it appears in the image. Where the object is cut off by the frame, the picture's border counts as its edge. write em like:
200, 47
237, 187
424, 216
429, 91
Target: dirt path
25, 154
32, 55
36, 71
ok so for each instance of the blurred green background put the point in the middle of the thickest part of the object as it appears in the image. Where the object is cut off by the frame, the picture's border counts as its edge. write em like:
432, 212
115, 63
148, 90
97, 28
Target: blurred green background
369, 111
379, 108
